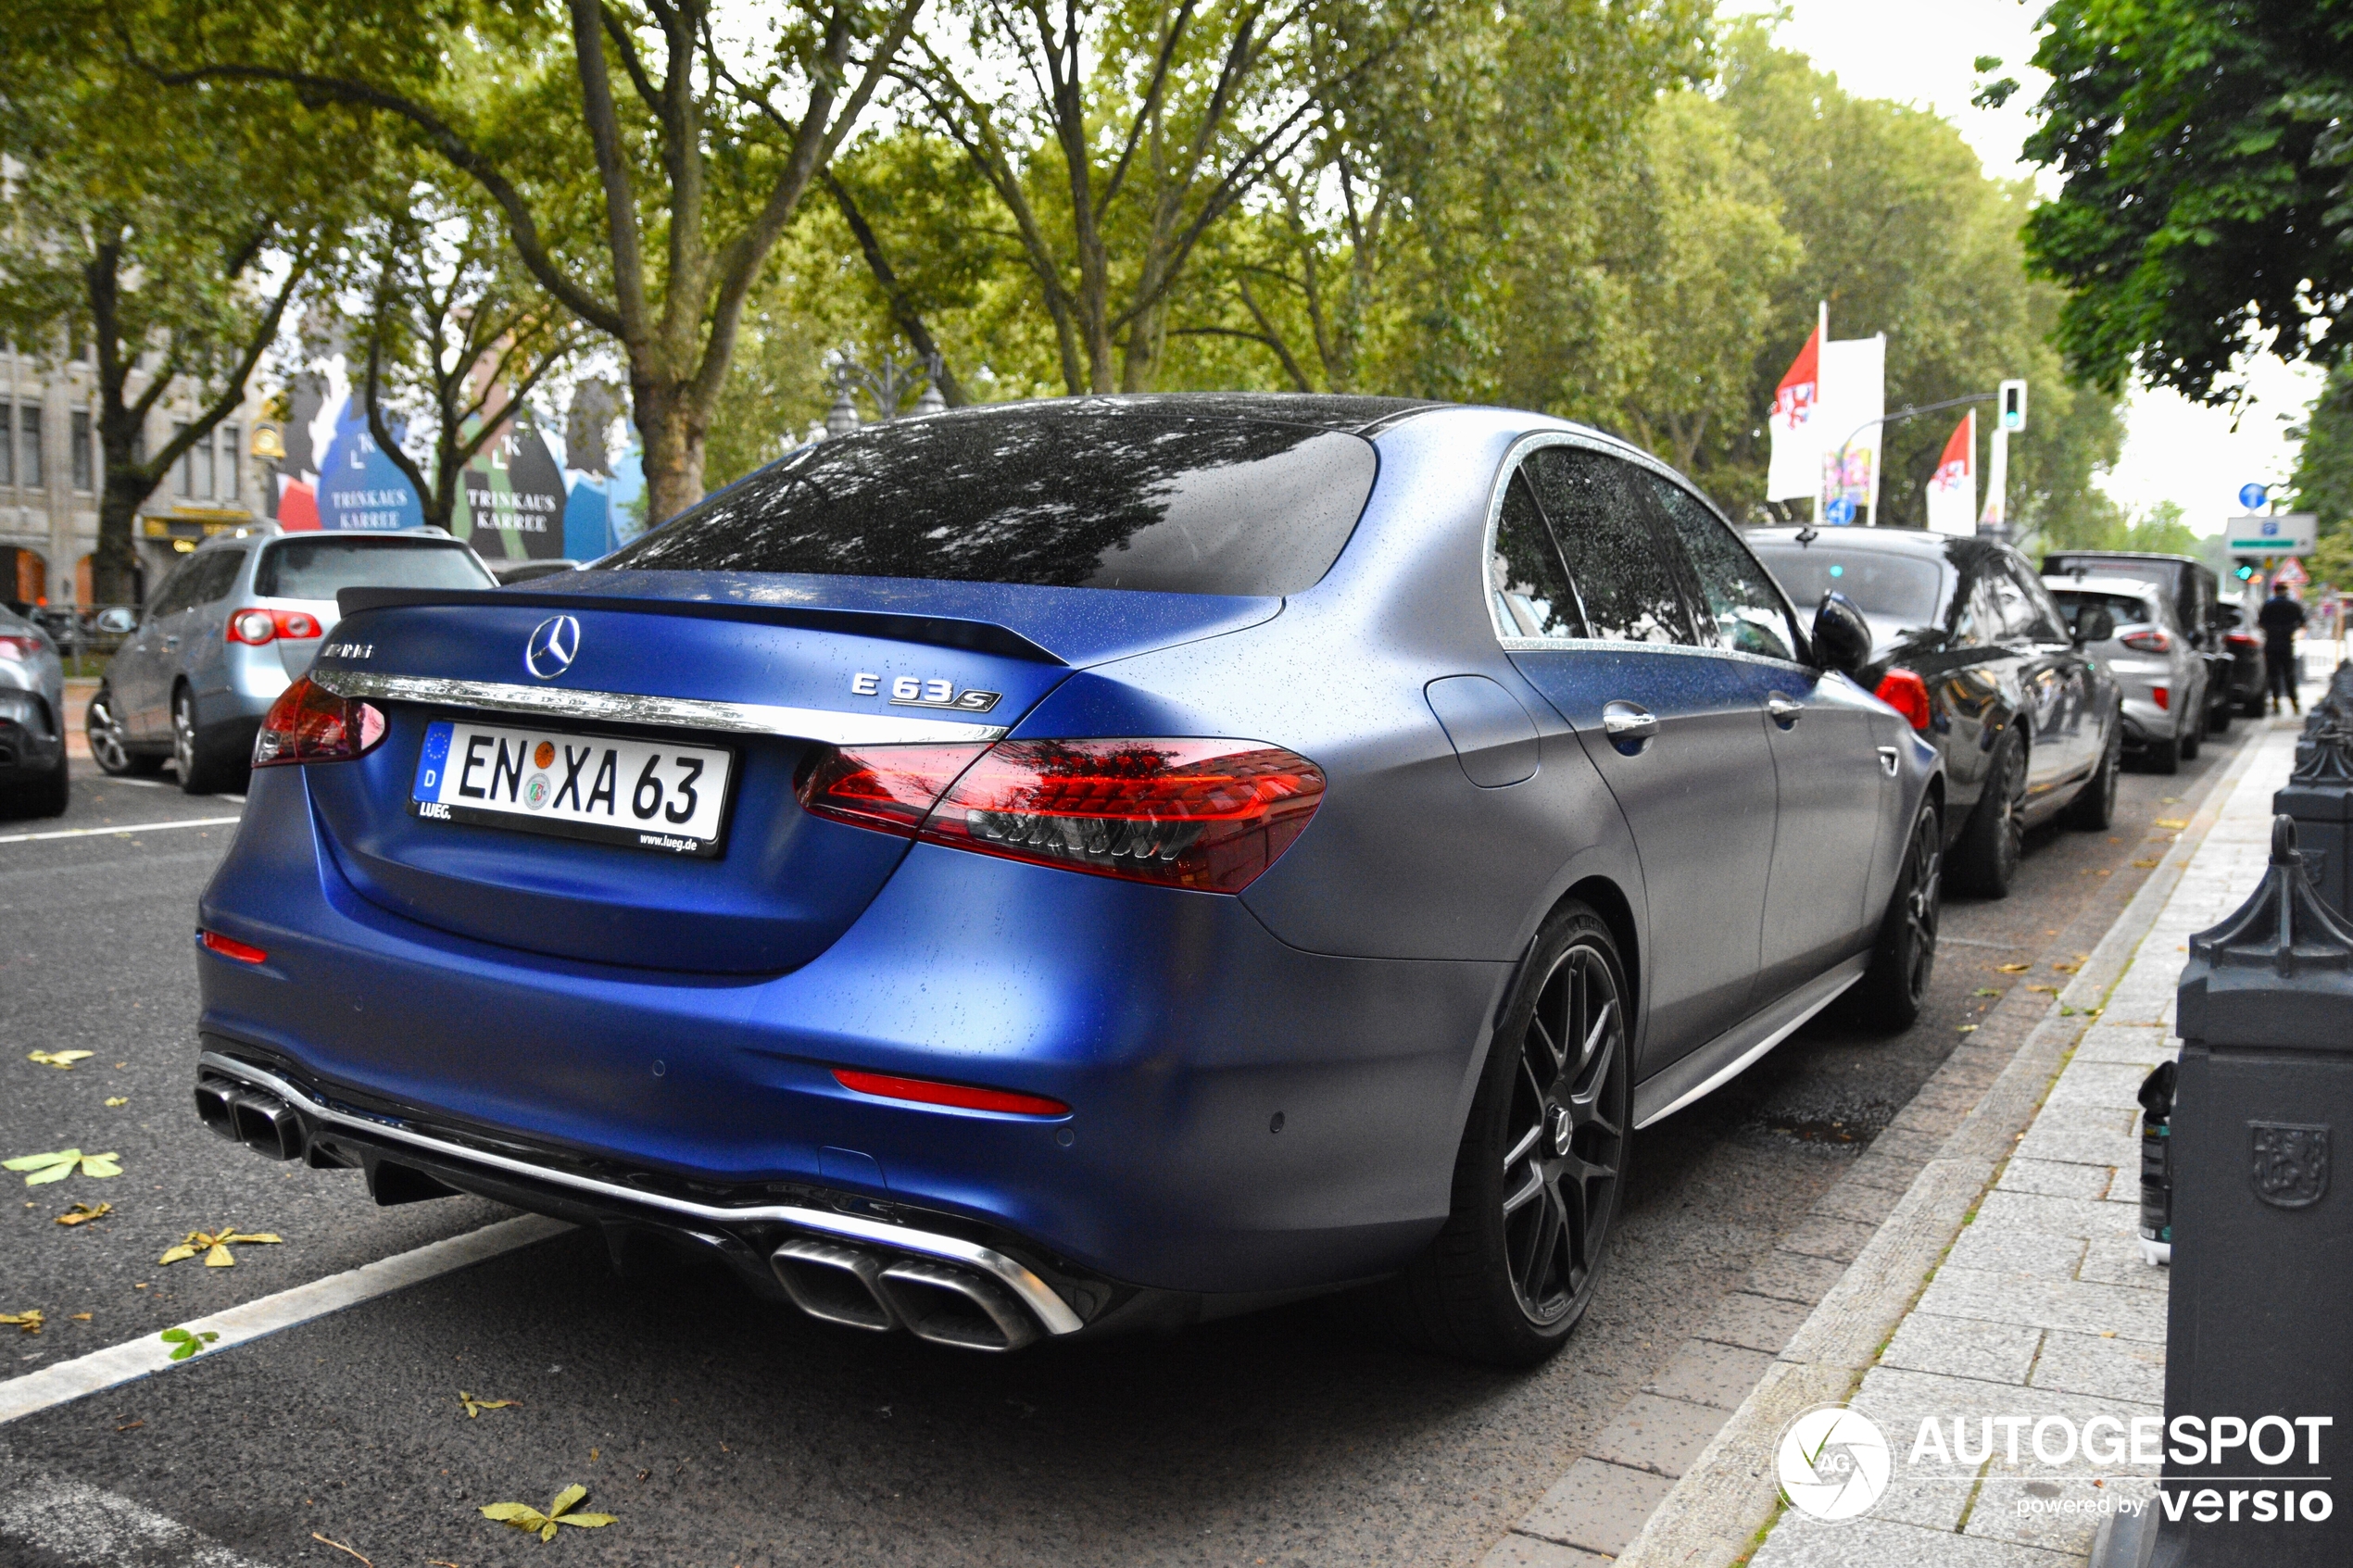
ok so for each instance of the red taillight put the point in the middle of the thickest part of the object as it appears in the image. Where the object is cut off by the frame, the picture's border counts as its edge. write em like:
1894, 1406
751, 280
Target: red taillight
254, 627
2239, 639
1904, 691
310, 723
1204, 814
230, 947
930, 1091
2154, 639
21, 649
2164, 699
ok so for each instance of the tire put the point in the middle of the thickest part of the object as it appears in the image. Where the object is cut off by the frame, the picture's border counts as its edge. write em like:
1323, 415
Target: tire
2163, 756
1541, 1164
1889, 998
1986, 858
48, 795
109, 747
2094, 807
206, 766
2218, 717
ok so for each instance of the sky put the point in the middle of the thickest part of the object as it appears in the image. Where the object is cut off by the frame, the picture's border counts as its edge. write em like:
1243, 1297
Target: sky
1923, 52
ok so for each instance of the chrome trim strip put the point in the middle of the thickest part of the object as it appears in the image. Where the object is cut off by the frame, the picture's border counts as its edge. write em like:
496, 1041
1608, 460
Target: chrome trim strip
1806, 1000
1052, 1310
669, 713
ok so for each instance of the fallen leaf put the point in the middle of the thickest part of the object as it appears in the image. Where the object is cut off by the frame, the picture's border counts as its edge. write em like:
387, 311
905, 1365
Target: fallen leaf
58, 1059
117, 1099
2047, 990
2146, 865
80, 1317
215, 1246
522, 1516
475, 1407
1968, 1028
2171, 823
56, 1166
189, 1342
2067, 968
130, 1427
2014, 968
29, 1320
82, 1213
1985, 991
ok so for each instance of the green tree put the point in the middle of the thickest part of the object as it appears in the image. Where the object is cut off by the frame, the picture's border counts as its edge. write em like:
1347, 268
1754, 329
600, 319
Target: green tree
171, 244
2205, 146
701, 154
2323, 482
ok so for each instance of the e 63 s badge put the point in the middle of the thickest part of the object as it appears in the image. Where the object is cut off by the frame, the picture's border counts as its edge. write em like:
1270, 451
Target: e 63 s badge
915, 691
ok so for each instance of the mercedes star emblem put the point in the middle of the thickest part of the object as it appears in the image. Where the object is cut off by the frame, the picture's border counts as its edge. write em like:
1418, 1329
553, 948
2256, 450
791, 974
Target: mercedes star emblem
555, 642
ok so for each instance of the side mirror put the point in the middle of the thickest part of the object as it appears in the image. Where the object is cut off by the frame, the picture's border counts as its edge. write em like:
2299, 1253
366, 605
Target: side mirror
117, 619
1842, 637
2094, 626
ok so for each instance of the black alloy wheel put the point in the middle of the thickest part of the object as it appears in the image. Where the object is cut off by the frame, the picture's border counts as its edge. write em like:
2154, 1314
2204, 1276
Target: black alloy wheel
1542, 1162
2094, 807
1986, 858
1892, 992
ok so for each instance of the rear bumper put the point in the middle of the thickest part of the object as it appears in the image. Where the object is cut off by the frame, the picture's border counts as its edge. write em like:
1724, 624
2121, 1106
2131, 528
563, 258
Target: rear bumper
31, 742
1182, 1033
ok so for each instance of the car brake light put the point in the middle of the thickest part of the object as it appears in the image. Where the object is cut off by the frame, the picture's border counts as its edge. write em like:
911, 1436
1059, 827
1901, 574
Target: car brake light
310, 723
2239, 639
230, 947
2154, 639
1203, 814
2164, 697
928, 1091
1904, 691
20, 648
254, 627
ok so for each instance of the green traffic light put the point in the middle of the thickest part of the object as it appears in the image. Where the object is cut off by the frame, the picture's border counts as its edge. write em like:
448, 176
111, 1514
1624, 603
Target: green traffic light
2242, 572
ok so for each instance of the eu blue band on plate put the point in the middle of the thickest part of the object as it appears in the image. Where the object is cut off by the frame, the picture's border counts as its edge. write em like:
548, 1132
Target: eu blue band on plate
435, 758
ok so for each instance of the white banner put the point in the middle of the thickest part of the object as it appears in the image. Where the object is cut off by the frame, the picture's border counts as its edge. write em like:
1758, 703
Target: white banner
1853, 394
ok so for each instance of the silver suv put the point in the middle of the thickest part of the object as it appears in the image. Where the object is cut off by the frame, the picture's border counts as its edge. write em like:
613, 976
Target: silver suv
232, 628
2161, 674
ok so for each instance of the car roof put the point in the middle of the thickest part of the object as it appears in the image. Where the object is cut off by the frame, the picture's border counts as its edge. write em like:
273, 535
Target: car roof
1349, 414
1918, 541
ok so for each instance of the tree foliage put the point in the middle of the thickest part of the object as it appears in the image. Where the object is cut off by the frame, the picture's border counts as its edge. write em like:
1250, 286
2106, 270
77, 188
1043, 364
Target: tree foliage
2206, 213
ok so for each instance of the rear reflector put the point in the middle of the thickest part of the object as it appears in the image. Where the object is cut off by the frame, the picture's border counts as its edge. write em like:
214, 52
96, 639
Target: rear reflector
2163, 698
1205, 815
310, 723
963, 1096
1904, 691
230, 947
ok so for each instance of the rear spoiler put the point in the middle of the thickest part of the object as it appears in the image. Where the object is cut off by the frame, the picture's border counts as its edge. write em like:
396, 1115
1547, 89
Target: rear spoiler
940, 631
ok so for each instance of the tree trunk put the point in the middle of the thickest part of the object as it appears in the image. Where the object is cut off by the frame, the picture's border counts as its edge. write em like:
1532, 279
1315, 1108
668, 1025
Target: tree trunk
114, 568
673, 429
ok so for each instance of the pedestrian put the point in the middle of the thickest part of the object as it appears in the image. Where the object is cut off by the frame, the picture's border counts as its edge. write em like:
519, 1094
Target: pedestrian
2281, 617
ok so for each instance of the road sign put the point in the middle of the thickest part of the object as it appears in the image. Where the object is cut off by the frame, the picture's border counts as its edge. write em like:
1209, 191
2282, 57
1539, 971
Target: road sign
1839, 510
2291, 572
2252, 497
2012, 407
2282, 533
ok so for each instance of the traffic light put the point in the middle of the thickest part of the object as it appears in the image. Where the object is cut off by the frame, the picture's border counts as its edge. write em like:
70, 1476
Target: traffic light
2243, 570
2013, 407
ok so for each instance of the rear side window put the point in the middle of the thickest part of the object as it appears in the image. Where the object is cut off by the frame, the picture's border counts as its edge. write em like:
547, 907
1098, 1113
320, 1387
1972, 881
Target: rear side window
323, 565
1532, 598
1620, 567
1057, 497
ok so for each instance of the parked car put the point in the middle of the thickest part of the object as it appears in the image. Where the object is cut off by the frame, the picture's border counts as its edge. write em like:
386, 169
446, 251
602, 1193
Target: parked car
1041, 869
2246, 649
1968, 644
224, 635
2197, 592
2131, 627
32, 704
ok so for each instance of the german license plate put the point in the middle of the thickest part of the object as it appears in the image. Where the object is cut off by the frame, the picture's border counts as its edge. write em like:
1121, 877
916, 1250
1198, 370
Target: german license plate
647, 795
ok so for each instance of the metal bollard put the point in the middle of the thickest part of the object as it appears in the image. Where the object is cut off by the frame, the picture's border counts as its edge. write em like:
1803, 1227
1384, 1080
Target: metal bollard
2263, 1272
2320, 796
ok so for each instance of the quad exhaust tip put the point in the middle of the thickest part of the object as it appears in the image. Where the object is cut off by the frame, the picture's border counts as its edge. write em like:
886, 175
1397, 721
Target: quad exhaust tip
935, 1301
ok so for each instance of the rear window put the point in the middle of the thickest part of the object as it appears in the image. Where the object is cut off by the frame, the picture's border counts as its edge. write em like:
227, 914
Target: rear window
321, 566
2125, 609
1071, 499
1904, 588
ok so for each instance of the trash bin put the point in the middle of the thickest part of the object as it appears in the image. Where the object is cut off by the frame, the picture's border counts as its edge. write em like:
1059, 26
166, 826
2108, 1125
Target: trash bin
2320, 796
2259, 1325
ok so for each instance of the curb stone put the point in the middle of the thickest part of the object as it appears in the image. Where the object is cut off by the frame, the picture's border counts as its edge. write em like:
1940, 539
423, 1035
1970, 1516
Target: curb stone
1943, 1165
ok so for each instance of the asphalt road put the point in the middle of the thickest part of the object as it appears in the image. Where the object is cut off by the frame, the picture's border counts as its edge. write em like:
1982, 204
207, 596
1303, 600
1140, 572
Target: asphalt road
721, 1431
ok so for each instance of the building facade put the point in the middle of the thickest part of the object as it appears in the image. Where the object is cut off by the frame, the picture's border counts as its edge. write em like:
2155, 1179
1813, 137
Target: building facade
51, 468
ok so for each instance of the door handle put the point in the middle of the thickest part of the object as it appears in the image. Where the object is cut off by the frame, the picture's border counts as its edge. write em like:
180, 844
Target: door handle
1628, 725
1785, 709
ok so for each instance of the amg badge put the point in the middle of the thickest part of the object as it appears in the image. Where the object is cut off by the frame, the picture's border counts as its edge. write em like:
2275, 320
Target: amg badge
910, 691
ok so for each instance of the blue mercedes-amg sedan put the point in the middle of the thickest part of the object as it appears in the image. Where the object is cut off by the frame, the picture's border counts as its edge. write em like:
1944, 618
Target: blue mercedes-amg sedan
1042, 868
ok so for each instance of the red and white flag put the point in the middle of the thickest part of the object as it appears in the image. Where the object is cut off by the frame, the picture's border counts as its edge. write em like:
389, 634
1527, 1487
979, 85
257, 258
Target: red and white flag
1952, 489
1795, 470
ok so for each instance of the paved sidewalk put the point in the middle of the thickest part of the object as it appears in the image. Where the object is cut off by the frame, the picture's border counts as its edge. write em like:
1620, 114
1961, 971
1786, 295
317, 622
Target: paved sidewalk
2042, 1306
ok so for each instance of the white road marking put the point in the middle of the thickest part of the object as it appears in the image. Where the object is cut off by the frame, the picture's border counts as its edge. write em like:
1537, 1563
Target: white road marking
102, 832
140, 783
37, 1391
79, 1523
238, 798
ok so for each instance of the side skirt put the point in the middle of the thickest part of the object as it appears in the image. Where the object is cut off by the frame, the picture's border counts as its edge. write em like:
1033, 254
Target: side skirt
1704, 1071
